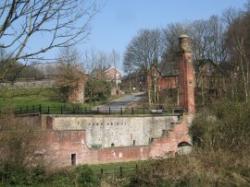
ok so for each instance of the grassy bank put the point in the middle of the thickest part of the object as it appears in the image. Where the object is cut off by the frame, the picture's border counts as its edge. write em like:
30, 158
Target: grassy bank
22, 97
12, 175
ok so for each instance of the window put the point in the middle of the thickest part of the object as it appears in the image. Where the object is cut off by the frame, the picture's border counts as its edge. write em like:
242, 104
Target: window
164, 132
73, 159
151, 140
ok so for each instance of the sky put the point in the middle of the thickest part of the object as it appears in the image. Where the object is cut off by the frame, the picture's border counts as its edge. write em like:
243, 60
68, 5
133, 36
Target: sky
120, 20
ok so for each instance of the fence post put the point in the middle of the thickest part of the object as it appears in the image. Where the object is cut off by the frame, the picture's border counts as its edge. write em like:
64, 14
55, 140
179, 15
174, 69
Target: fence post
61, 109
101, 172
121, 110
121, 172
136, 168
97, 110
40, 108
109, 110
48, 110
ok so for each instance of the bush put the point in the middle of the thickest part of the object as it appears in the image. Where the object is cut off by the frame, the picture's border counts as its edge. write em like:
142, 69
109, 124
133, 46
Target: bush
226, 125
169, 96
61, 178
13, 174
85, 177
201, 168
97, 90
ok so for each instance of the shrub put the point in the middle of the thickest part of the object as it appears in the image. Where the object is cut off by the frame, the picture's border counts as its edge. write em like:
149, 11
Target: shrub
13, 174
226, 125
61, 178
97, 90
85, 177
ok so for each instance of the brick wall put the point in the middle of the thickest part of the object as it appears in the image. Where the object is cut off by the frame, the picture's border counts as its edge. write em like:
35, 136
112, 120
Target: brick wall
167, 82
186, 77
58, 146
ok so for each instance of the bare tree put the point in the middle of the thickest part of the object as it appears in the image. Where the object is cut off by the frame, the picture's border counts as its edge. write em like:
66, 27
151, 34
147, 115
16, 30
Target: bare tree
60, 23
142, 52
19, 142
99, 62
70, 75
170, 41
238, 45
115, 58
208, 49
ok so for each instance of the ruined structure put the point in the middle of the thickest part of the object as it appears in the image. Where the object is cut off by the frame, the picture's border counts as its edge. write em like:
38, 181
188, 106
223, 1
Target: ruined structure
186, 81
77, 94
71, 140
88, 139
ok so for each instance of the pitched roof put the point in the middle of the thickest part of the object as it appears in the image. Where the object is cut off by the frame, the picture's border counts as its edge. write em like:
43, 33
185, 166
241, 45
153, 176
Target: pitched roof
112, 67
168, 69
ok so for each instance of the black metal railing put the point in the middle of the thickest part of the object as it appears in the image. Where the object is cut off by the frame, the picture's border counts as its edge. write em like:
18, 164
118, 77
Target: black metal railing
118, 171
64, 109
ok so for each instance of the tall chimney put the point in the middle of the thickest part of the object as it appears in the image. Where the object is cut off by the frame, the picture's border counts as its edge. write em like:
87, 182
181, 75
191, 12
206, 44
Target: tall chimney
186, 79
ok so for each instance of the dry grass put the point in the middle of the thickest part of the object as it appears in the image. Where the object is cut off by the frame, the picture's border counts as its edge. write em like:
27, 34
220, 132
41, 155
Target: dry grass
201, 168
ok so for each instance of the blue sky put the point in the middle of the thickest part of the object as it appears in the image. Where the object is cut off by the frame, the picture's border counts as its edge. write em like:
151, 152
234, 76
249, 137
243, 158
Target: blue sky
120, 20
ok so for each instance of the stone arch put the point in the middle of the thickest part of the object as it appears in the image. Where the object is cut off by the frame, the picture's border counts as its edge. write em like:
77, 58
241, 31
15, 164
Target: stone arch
184, 148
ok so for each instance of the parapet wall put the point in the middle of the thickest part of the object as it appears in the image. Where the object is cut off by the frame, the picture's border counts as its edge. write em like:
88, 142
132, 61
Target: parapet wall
107, 131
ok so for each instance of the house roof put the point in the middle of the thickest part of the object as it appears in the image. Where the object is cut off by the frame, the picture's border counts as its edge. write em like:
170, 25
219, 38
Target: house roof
203, 62
168, 69
112, 67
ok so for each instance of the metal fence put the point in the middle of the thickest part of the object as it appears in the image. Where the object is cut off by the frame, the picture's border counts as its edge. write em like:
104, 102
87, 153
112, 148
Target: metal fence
80, 110
118, 171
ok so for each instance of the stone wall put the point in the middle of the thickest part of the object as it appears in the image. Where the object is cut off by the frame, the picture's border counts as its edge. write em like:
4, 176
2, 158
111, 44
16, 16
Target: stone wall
104, 131
29, 84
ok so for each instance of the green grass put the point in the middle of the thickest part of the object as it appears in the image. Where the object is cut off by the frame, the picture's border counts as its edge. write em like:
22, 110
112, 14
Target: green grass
67, 176
127, 167
21, 97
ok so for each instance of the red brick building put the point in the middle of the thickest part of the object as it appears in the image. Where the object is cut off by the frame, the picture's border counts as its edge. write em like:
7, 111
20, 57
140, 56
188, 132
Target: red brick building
180, 75
165, 76
113, 74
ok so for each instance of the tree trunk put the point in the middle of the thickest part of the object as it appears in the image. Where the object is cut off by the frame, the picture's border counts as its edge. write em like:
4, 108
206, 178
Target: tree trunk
149, 85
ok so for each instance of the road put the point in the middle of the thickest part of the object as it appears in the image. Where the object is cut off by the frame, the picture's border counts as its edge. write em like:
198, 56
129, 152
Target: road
122, 102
